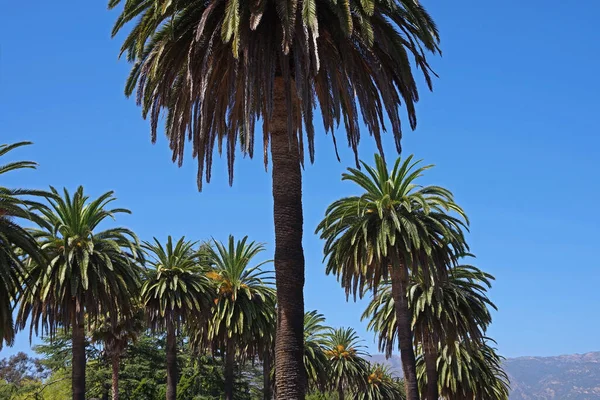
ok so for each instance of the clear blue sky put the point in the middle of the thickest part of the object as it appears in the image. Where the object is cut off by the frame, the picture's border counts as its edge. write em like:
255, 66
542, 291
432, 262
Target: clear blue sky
511, 125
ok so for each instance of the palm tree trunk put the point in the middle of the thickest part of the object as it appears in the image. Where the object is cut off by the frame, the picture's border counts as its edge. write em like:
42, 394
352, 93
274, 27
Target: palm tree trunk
405, 339
289, 255
115, 376
229, 369
340, 393
78, 349
267, 376
171, 362
430, 350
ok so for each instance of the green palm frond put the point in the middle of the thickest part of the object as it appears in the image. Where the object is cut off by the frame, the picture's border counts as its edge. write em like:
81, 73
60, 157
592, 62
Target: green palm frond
469, 370
211, 67
316, 364
348, 370
454, 308
244, 304
394, 223
175, 288
89, 270
15, 241
381, 385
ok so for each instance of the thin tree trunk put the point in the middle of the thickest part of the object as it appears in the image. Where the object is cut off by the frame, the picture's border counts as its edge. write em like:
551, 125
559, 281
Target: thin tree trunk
229, 369
341, 395
430, 350
78, 349
289, 255
171, 363
407, 353
115, 376
267, 376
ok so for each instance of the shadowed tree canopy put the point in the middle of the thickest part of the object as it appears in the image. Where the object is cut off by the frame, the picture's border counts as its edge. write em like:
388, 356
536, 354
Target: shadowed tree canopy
213, 65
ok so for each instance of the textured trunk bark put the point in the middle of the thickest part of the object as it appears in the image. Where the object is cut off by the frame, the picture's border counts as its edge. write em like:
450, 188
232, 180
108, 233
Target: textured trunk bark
171, 363
229, 370
407, 353
78, 349
115, 376
267, 376
289, 255
430, 350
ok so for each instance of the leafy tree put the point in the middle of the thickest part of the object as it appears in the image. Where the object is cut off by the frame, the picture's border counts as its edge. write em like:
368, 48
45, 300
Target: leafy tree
393, 228
14, 240
217, 67
91, 272
244, 310
20, 375
115, 336
176, 289
347, 369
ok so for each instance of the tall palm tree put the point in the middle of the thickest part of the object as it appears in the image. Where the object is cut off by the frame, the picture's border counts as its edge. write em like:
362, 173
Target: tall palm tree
381, 385
469, 370
14, 240
115, 336
175, 290
91, 273
316, 335
348, 369
216, 67
455, 308
394, 228
244, 311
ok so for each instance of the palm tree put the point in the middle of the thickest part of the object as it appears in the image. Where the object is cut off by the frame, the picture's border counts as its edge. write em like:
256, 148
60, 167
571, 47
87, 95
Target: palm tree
90, 274
347, 369
452, 309
394, 228
218, 66
381, 385
316, 335
115, 336
14, 240
469, 370
244, 311
175, 290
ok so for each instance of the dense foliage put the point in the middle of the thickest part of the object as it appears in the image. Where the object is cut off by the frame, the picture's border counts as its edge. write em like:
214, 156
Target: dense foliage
197, 320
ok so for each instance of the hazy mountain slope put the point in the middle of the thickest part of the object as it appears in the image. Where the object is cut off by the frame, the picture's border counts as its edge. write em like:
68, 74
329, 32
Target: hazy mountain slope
569, 377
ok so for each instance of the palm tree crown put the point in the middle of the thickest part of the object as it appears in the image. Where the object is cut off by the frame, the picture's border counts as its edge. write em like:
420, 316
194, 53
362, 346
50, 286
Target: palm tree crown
348, 369
395, 223
89, 270
176, 287
213, 65
244, 308
13, 241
